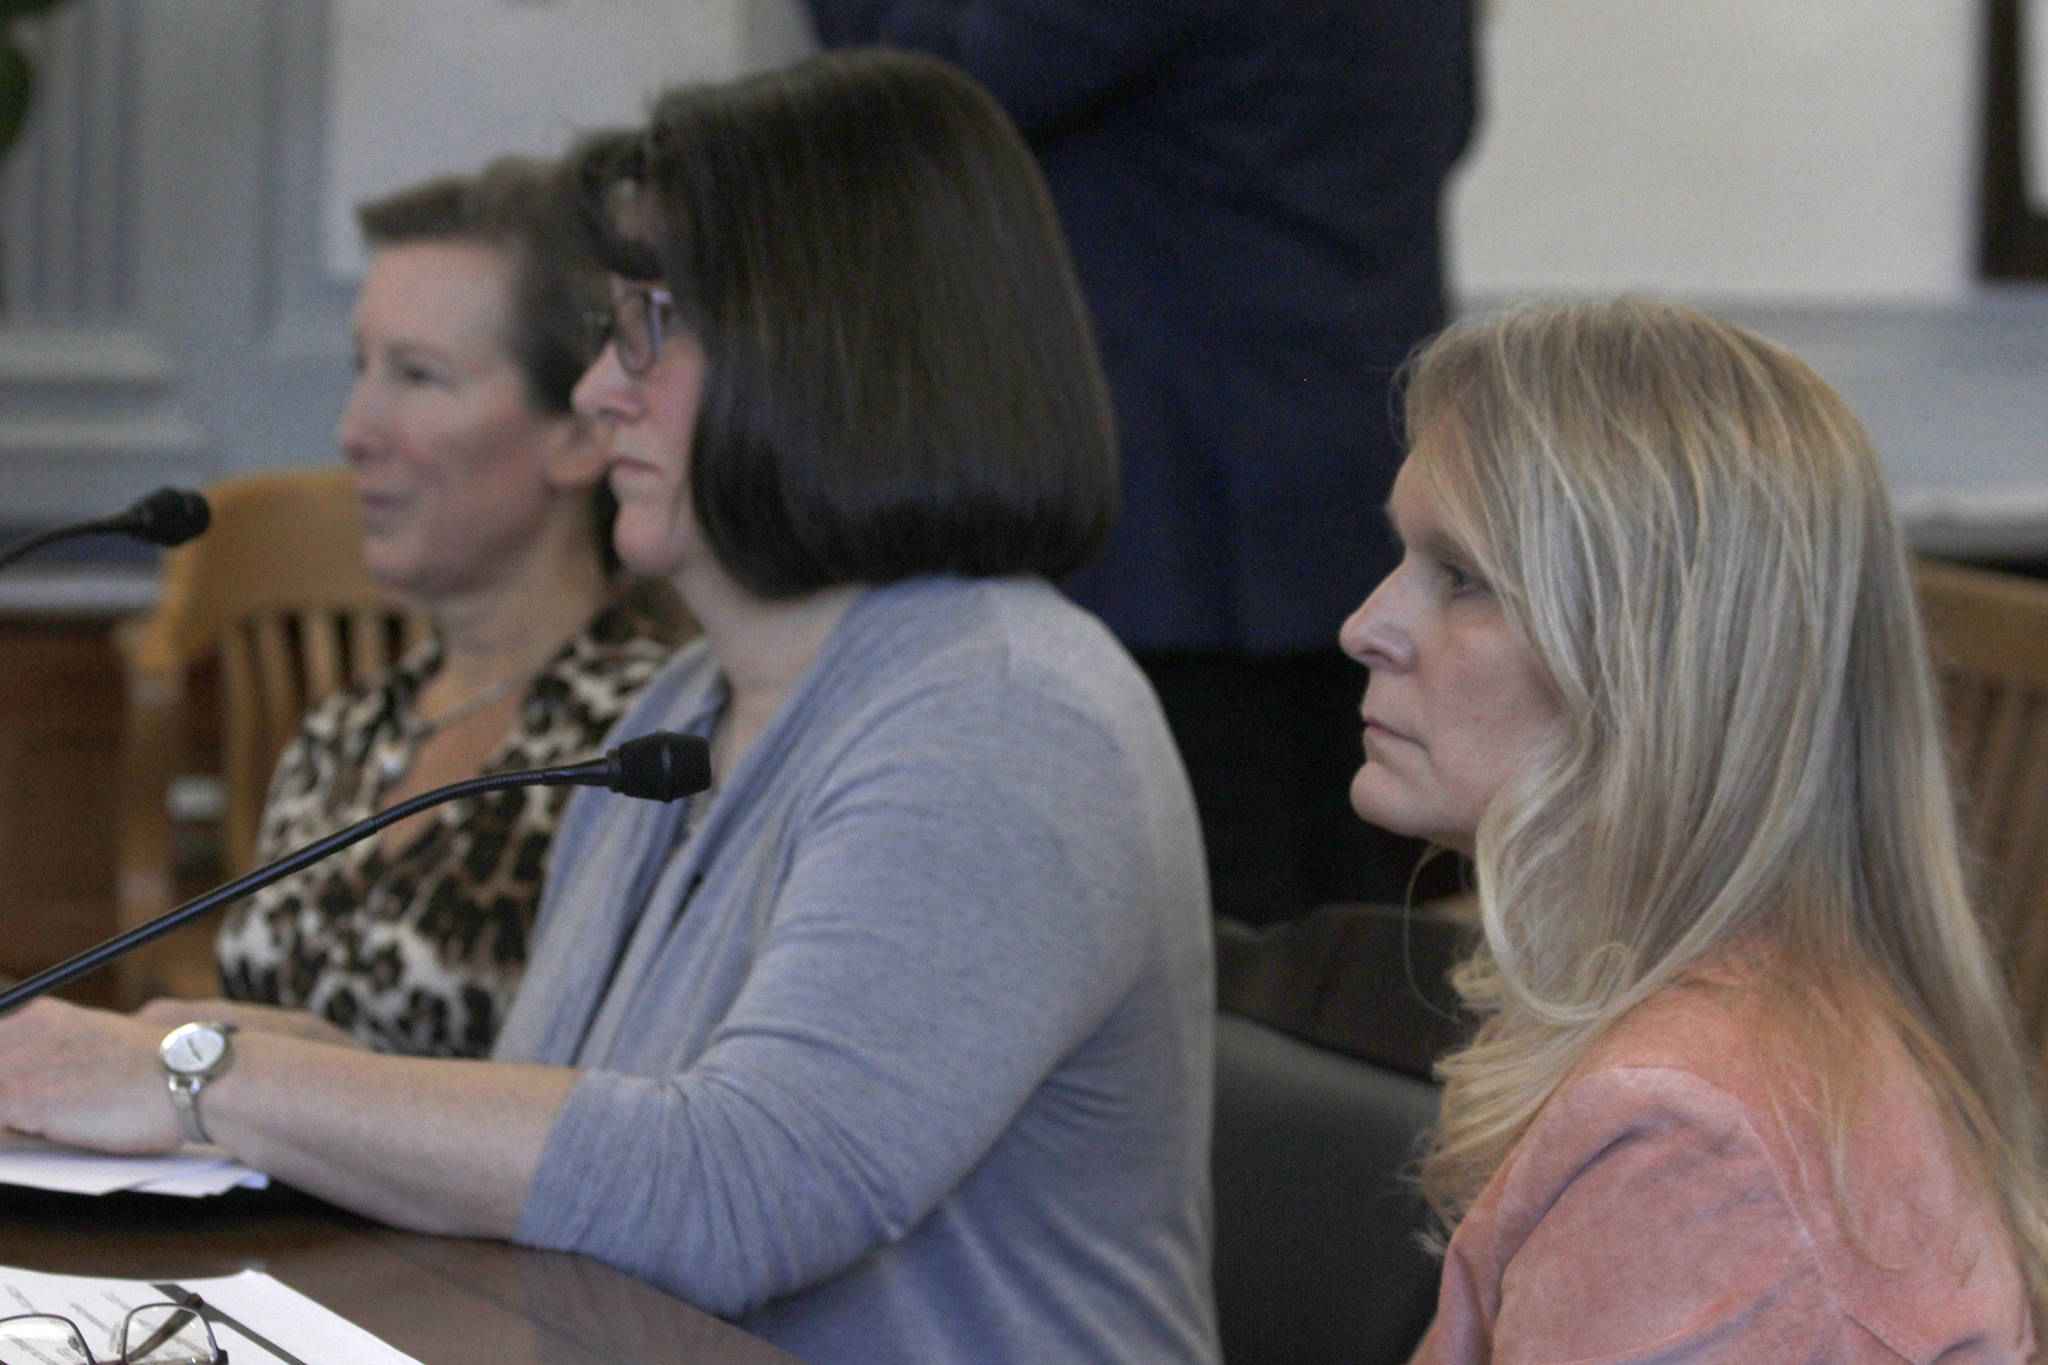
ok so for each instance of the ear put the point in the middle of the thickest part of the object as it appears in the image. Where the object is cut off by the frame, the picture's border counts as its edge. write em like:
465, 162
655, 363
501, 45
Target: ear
573, 454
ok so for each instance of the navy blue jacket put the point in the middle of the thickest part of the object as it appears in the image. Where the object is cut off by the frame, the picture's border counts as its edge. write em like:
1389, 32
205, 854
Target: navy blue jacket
1251, 189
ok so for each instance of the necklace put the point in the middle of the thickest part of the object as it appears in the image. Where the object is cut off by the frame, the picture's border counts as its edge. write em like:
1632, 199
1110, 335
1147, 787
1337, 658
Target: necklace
415, 730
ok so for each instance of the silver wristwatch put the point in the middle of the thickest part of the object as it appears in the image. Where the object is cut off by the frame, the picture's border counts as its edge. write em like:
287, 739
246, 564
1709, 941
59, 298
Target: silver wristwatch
194, 1054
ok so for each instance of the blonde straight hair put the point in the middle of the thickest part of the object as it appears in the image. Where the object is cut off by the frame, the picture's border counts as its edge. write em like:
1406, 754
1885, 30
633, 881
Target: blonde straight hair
1689, 529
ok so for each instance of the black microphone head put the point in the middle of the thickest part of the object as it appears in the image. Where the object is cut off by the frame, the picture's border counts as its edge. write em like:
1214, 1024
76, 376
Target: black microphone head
663, 766
169, 516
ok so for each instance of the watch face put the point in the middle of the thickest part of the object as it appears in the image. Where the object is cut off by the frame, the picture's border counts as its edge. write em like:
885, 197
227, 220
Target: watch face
194, 1048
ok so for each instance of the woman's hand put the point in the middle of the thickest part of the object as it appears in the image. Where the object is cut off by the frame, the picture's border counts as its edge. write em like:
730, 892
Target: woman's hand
167, 1014
434, 1145
86, 1077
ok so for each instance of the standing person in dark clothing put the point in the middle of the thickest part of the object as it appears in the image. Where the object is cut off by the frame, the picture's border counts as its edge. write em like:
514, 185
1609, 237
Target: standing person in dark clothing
1252, 192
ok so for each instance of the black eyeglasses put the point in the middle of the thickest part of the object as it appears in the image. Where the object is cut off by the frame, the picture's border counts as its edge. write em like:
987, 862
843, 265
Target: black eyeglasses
153, 1334
634, 324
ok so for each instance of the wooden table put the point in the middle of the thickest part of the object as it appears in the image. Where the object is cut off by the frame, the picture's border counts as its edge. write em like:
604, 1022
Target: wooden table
444, 1300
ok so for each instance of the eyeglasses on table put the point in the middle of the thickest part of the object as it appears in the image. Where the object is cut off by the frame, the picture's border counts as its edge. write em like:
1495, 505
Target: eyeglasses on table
152, 1334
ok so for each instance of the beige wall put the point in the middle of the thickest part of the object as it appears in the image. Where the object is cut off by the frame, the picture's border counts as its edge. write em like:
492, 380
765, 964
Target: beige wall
1724, 149
420, 87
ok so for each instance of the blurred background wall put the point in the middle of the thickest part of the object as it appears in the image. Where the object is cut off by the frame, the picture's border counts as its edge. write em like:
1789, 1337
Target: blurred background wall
1725, 149
178, 260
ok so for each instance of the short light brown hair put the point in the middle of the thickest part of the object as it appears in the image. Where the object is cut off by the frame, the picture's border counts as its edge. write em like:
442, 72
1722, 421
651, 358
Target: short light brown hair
511, 205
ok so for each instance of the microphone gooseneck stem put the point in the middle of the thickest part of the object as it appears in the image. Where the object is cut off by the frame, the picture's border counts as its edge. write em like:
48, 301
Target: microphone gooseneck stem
169, 516
96, 957
28, 545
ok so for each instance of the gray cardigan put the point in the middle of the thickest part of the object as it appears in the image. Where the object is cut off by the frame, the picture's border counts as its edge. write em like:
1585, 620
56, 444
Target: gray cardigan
903, 1051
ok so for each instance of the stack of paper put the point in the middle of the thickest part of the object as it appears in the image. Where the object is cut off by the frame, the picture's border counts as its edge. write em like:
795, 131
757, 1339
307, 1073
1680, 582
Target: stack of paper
256, 1319
48, 1166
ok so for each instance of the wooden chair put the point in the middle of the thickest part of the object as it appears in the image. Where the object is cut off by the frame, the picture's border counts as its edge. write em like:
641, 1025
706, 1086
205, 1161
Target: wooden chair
274, 600
1989, 638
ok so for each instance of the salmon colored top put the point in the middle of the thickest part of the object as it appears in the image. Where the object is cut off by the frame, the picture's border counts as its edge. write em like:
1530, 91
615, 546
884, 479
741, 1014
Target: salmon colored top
1673, 1202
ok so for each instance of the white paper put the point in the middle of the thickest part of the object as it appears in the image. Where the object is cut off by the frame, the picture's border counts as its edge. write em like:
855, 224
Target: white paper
256, 1319
192, 1171
215, 1177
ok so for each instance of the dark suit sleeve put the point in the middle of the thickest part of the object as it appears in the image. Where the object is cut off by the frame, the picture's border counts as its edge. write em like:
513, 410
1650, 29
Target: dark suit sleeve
1043, 59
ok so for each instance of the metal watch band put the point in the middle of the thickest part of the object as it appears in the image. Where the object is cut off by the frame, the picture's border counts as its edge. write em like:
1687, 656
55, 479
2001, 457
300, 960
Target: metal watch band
185, 1099
193, 1054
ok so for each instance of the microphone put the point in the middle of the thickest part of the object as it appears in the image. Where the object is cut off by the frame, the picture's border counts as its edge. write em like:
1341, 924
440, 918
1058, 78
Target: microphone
662, 766
169, 516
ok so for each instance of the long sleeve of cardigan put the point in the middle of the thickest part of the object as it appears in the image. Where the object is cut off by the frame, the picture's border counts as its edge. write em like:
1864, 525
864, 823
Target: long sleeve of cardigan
947, 931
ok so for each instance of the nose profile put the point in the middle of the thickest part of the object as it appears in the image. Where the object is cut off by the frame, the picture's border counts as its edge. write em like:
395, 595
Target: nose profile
1373, 634
355, 429
605, 392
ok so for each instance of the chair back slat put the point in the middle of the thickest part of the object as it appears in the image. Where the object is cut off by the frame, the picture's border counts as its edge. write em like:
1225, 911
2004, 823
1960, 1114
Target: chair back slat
324, 656
2014, 837
374, 647
279, 693
1988, 636
2016, 779
246, 677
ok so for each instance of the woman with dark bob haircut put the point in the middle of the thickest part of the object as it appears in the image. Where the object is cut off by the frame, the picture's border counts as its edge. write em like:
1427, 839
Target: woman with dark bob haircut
896, 1044
907, 390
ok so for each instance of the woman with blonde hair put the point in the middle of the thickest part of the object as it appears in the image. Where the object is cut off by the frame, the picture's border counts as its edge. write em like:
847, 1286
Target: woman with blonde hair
1746, 1086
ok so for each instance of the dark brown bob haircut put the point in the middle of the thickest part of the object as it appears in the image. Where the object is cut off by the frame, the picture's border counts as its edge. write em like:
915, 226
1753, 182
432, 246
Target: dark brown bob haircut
900, 378
512, 206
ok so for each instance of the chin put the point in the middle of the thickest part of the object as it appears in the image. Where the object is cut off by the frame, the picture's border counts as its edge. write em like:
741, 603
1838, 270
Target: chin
637, 559
649, 556
1374, 803
393, 570
1379, 800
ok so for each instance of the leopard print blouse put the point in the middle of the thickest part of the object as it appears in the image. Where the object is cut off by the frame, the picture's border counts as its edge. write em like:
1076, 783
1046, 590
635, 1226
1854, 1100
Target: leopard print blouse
419, 951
